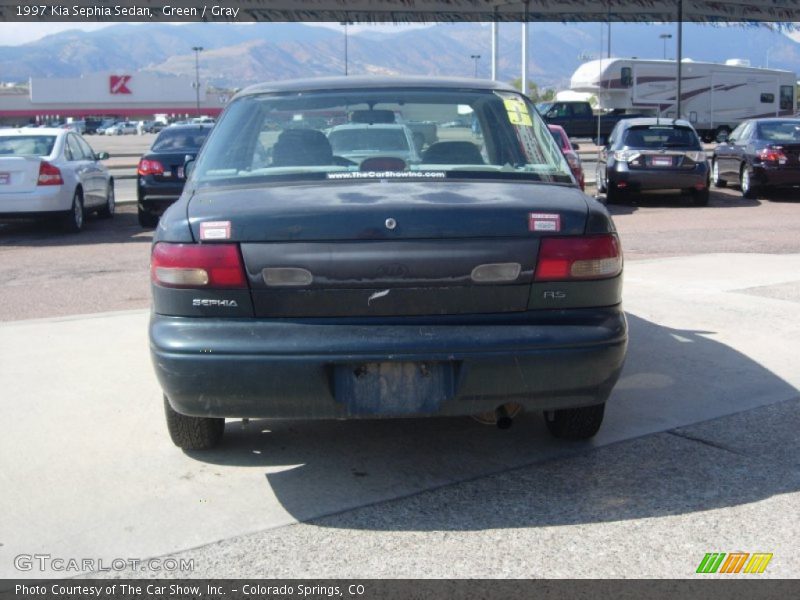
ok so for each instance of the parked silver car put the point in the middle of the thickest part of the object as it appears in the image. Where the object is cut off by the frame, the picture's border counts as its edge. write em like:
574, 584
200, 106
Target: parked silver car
121, 128
53, 173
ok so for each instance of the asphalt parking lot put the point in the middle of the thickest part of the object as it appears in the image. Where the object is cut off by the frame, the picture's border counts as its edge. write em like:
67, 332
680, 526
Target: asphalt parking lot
698, 453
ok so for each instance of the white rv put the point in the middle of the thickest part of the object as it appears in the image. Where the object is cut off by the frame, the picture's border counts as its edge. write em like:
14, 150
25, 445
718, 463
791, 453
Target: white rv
714, 97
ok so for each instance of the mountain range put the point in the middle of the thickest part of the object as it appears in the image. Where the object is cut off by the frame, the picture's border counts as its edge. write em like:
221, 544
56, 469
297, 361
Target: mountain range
236, 55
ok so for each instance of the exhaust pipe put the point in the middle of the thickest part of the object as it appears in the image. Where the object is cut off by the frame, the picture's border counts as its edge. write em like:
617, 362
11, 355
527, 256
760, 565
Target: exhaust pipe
504, 420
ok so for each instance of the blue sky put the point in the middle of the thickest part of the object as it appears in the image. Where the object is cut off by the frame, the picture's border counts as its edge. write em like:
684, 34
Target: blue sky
14, 34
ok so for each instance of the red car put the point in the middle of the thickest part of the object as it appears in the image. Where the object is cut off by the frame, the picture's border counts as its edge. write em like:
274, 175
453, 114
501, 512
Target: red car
570, 153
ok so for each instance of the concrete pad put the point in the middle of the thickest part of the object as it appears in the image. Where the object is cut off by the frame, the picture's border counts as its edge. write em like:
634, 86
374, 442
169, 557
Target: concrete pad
651, 507
89, 470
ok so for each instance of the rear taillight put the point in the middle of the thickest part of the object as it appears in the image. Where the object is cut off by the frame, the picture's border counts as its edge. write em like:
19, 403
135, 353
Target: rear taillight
772, 154
49, 174
626, 155
197, 266
589, 257
150, 167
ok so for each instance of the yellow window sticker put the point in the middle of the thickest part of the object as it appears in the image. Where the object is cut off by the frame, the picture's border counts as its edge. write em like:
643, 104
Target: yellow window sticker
517, 112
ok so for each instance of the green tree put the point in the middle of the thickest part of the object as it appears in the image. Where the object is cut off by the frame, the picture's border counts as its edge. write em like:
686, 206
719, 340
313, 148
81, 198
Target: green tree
534, 94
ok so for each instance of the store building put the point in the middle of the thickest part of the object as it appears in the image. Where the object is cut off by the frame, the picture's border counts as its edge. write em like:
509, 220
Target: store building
134, 95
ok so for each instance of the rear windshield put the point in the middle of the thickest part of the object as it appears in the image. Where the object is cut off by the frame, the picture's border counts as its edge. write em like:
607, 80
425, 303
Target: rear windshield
179, 140
661, 136
27, 145
343, 134
779, 131
561, 138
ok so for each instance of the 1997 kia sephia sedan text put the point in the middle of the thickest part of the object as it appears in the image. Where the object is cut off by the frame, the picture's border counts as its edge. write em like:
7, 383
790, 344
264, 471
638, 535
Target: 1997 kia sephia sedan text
472, 277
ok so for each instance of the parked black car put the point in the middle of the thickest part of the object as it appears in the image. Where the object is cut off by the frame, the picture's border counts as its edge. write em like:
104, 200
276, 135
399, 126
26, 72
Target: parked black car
759, 154
653, 154
473, 279
160, 176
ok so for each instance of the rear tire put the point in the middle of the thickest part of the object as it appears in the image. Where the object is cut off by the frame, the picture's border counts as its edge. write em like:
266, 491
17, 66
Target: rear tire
715, 178
746, 184
701, 197
73, 221
147, 219
575, 423
600, 182
613, 195
110, 207
193, 433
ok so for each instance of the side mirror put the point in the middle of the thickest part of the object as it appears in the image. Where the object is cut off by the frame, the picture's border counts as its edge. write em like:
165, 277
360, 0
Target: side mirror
188, 165
102, 156
722, 136
576, 146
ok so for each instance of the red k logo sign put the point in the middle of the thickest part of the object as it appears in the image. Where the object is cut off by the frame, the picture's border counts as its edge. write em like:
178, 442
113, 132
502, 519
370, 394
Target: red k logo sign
118, 84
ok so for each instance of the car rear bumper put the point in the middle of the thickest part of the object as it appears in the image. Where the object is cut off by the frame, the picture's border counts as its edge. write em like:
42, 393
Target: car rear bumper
776, 176
658, 179
156, 196
311, 369
45, 199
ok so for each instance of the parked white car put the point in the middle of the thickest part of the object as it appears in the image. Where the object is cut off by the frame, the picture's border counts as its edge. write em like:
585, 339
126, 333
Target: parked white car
53, 173
121, 128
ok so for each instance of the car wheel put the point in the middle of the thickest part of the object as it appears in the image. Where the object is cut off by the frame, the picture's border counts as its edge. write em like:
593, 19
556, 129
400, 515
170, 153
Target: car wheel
147, 219
193, 433
73, 220
111, 204
700, 197
746, 184
601, 184
613, 195
575, 423
715, 175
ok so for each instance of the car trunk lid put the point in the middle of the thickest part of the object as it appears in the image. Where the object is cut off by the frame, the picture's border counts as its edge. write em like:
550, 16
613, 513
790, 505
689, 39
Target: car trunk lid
19, 174
173, 165
390, 249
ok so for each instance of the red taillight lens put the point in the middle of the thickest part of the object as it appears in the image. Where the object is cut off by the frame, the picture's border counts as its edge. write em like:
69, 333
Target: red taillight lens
150, 167
590, 257
49, 174
771, 154
197, 266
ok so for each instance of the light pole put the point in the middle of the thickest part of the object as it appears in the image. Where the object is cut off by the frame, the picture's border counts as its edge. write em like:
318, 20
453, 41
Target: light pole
665, 37
476, 58
345, 23
197, 51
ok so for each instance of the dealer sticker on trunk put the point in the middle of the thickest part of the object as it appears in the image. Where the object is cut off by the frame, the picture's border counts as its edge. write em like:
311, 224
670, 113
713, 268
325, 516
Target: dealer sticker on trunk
544, 222
215, 230
5, 178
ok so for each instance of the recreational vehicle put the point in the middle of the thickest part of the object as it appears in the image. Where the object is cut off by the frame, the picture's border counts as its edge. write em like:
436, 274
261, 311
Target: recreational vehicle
715, 98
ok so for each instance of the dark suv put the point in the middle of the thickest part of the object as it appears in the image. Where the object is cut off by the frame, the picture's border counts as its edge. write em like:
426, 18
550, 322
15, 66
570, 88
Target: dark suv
653, 154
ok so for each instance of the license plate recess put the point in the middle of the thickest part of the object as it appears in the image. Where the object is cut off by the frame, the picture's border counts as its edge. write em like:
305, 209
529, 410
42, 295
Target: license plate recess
394, 388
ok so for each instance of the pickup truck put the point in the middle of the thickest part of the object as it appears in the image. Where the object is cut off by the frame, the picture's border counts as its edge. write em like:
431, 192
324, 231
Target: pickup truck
578, 119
